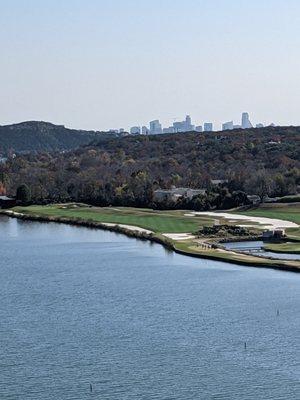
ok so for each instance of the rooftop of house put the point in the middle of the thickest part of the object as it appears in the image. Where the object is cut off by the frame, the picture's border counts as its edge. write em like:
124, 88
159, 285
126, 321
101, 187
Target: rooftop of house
178, 190
218, 181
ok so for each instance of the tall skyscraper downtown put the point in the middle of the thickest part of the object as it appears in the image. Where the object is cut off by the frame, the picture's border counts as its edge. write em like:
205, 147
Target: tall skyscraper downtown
245, 121
208, 127
188, 120
227, 126
155, 127
145, 130
135, 130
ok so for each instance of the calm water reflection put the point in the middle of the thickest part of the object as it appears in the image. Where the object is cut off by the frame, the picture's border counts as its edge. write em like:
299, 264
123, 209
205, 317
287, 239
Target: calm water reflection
81, 306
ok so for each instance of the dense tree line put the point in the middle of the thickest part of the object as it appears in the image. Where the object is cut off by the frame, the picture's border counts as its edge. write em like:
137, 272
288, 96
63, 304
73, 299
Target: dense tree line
127, 171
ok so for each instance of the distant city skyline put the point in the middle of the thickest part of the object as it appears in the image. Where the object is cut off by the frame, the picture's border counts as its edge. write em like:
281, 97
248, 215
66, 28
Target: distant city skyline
155, 127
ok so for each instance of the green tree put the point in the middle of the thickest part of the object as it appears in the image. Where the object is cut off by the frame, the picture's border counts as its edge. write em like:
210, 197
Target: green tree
23, 194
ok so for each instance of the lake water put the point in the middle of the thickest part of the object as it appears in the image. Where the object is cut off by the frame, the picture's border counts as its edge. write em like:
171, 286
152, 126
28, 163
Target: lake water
81, 307
256, 248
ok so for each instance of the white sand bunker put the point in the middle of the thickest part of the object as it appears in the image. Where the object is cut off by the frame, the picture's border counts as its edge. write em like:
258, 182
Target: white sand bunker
260, 222
130, 227
9, 212
179, 236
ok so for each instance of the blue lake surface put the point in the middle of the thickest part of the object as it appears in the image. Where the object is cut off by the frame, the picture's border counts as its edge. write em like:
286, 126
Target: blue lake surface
256, 248
81, 306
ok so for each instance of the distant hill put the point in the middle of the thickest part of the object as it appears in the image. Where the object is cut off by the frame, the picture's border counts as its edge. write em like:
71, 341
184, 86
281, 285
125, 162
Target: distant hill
43, 136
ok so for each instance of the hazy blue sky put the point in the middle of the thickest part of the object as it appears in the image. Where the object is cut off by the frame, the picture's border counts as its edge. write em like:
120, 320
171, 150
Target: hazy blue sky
103, 64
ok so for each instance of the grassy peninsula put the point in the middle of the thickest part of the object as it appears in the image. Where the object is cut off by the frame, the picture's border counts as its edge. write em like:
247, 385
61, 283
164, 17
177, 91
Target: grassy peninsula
177, 229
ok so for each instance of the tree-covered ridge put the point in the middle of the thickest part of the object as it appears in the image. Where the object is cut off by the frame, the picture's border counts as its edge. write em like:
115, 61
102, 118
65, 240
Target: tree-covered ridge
126, 171
43, 136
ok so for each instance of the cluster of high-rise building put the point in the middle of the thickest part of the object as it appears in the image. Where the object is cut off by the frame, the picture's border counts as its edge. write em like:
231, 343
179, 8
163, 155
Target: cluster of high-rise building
156, 128
245, 124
